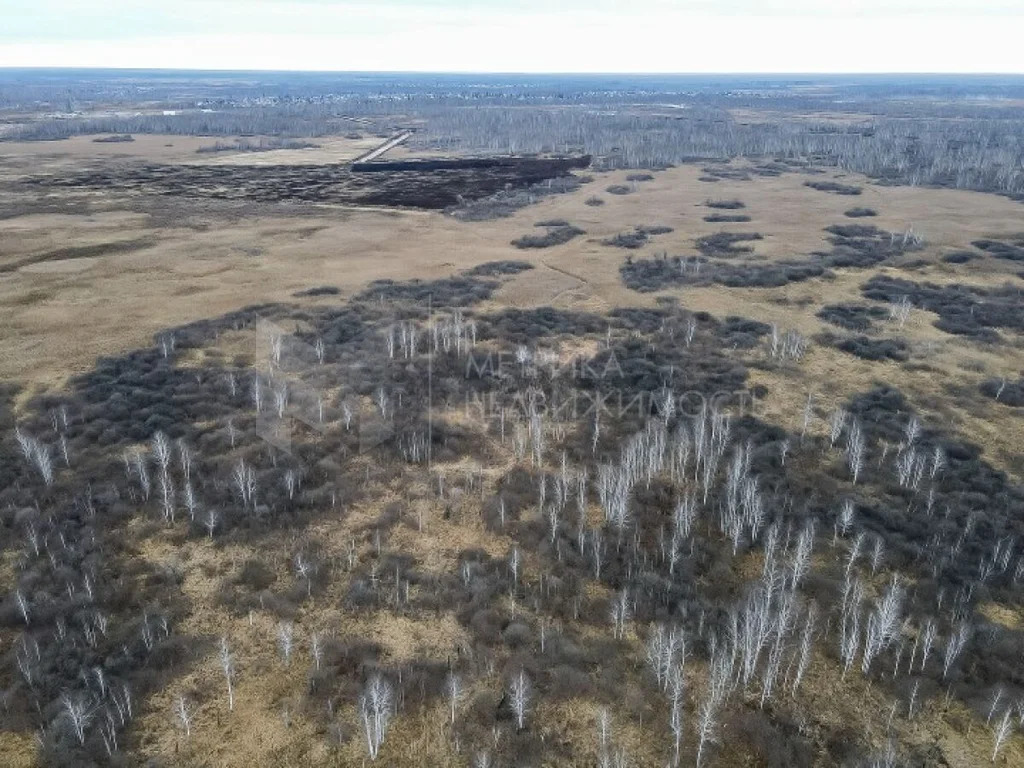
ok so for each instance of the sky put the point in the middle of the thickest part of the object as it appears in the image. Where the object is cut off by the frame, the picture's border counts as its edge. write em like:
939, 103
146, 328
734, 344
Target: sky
805, 36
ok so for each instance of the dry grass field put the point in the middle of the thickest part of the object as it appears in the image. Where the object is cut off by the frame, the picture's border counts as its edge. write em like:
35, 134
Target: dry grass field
175, 261
88, 274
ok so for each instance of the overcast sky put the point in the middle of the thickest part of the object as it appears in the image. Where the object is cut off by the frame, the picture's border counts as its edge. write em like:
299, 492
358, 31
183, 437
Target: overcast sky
519, 35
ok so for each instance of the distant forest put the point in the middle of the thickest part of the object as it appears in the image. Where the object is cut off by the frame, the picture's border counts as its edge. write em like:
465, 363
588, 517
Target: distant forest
959, 132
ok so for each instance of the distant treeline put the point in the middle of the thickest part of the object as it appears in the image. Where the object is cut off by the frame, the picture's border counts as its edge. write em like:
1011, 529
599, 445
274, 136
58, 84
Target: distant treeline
643, 123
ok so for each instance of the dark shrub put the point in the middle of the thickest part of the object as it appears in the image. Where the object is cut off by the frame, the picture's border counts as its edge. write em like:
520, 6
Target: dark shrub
774, 742
255, 575
728, 205
861, 245
1004, 391
742, 332
959, 257
121, 138
859, 213
647, 275
964, 310
519, 326
831, 186
618, 189
725, 244
450, 291
854, 317
867, 348
631, 240
320, 290
593, 201
640, 177
566, 682
1001, 249
496, 268
726, 218
554, 236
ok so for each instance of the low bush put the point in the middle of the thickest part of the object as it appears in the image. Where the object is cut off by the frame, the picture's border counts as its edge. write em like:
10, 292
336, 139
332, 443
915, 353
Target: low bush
726, 218
319, 290
637, 238
496, 268
728, 205
1002, 250
1004, 391
450, 291
962, 309
726, 244
618, 189
860, 213
593, 201
742, 332
834, 187
863, 246
867, 348
854, 317
727, 172
556, 235
640, 177
121, 138
959, 257
519, 326
647, 275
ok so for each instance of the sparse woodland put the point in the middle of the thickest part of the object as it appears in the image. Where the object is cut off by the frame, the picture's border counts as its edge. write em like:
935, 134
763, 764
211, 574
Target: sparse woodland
413, 525
668, 582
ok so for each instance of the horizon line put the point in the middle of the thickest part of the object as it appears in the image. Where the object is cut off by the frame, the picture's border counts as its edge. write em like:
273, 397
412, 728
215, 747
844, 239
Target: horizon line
551, 73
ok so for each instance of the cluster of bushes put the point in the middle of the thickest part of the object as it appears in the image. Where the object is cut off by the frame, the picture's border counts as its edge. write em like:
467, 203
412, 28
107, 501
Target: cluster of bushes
867, 348
853, 317
263, 145
557, 234
506, 202
727, 205
727, 244
972, 503
959, 257
520, 326
718, 172
635, 239
962, 309
862, 246
319, 290
460, 291
834, 187
1000, 249
498, 268
743, 333
618, 189
118, 138
1004, 391
859, 213
726, 218
648, 275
